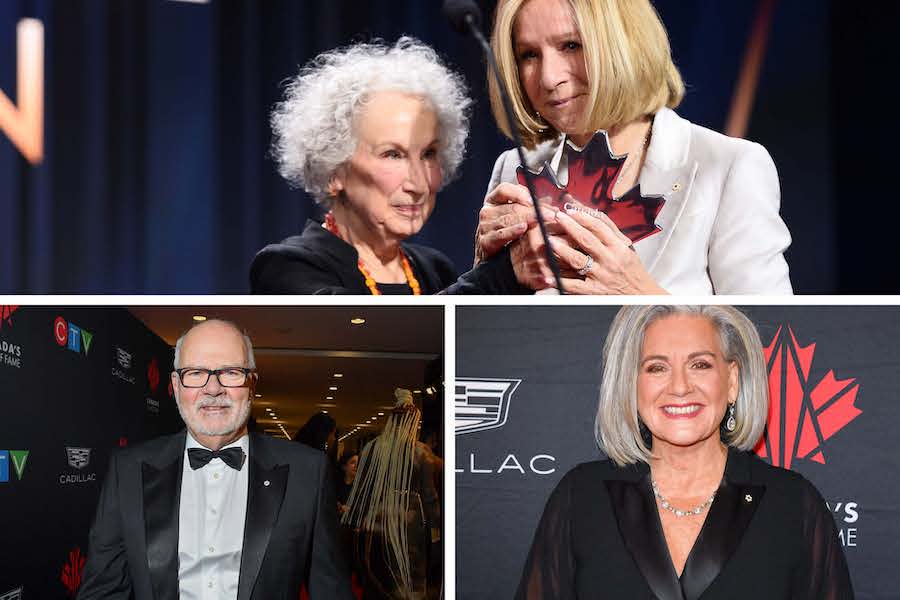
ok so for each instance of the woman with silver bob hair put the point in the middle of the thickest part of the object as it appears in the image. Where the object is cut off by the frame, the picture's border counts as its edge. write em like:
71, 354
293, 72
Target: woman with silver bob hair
683, 508
372, 132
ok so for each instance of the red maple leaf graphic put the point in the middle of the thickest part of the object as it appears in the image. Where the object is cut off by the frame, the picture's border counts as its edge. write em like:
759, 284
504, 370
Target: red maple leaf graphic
802, 416
6, 312
72, 572
153, 375
593, 171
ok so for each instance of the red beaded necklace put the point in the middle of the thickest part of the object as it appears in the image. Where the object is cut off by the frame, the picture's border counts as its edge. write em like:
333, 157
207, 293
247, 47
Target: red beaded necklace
331, 226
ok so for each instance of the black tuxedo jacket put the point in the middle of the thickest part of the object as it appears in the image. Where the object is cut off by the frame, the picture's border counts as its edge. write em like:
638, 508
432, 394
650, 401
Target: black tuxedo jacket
290, 532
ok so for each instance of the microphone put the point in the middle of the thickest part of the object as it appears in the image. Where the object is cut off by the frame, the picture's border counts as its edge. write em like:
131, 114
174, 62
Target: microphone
462, 15
465, 17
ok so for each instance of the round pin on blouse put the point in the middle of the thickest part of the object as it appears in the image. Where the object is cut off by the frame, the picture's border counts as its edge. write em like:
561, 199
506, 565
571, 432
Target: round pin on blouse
748, 498
266, 483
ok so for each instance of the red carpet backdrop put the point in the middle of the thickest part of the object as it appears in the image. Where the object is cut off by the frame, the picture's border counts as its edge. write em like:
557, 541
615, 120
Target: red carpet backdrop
525, 417
76, 383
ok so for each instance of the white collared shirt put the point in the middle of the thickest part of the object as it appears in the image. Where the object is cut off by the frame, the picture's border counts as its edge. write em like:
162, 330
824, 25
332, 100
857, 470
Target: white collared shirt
211, 526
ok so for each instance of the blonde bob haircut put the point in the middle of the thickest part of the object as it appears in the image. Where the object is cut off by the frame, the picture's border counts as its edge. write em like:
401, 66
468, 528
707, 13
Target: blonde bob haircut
618, 428
628, 63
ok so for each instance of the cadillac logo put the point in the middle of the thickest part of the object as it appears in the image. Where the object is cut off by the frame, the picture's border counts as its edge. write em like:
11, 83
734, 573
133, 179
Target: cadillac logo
15, 594
79, 458
482, 403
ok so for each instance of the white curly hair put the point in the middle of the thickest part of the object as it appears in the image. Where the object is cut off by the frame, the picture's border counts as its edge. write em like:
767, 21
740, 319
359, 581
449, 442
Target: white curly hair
313, 126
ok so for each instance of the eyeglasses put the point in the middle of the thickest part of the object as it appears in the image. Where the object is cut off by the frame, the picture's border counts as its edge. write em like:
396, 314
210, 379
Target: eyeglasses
227, 376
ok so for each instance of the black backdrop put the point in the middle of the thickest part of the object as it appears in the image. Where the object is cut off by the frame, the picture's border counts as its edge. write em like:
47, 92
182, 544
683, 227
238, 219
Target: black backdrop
846, 356
156, 133
68, 397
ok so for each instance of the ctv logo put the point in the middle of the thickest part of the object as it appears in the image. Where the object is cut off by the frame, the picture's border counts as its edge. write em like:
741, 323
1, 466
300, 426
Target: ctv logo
18, 458
72, 336
802, 414
24, 124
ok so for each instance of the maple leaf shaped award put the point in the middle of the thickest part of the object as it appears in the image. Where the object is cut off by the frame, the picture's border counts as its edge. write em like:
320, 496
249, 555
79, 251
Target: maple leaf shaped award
593, 171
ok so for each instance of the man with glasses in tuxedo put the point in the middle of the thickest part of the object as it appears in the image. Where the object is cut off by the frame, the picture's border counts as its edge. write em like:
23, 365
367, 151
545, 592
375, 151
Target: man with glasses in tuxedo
214, 512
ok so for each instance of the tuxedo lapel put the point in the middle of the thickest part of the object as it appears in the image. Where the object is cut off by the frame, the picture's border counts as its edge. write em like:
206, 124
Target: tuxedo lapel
724, 528
161, 482
667, 172
638, 521
265, 493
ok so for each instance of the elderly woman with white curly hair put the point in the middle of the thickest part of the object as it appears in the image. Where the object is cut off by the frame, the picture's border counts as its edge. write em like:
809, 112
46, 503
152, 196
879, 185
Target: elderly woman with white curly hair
372, 132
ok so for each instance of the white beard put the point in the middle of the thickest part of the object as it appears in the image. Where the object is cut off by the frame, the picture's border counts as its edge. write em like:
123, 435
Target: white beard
194, 423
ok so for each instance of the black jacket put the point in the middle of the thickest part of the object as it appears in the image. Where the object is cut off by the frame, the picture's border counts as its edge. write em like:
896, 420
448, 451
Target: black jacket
768, 534
319, 262
290, 531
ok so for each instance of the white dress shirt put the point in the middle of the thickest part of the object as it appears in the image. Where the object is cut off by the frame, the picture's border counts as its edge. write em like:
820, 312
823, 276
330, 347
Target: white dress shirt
211, 526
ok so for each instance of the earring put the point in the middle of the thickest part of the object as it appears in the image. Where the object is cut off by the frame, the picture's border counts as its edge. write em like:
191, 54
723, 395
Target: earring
730, 424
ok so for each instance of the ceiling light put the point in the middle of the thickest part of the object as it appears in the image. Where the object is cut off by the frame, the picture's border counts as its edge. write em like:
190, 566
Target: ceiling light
380, 414
199, 318
357, 320
417, 391
338, 375
258, 395
329, 397
333, 388
324, 411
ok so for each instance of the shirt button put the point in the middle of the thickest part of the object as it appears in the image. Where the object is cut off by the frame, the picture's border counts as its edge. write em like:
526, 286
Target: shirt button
212, 510
211, 549
215, 475
210, 584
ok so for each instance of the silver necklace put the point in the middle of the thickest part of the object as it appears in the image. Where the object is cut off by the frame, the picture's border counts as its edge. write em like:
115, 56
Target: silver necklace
681, 513
626, 168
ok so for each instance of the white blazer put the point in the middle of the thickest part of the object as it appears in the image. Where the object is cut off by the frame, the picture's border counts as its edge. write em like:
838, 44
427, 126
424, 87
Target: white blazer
720, 228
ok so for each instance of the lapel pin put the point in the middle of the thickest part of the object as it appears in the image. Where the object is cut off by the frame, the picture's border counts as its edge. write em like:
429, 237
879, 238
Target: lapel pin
676, 186
748, 498
266, 483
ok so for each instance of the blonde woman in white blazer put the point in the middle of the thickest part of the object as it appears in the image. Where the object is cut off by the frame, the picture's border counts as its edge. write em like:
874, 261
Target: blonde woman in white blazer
719, 227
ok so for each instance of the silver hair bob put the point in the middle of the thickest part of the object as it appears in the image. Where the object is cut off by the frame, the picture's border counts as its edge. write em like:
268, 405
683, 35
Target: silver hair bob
618, 425
248, 345
313, 126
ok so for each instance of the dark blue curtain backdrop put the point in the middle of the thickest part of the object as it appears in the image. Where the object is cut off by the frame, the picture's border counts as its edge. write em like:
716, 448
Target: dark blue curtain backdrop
156, 176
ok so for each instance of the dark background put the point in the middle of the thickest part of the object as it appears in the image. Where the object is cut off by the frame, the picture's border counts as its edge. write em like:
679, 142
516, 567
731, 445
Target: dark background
552, 413
59, 398
156, 176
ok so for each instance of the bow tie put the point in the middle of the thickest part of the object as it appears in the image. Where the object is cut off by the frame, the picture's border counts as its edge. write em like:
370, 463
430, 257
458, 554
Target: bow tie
233, 457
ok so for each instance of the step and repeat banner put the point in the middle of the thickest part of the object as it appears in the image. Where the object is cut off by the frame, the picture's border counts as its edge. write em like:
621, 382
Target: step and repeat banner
526, 392
75, 383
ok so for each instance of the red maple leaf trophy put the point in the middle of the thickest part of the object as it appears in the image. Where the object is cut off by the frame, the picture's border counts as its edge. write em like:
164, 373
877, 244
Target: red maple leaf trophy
593, 171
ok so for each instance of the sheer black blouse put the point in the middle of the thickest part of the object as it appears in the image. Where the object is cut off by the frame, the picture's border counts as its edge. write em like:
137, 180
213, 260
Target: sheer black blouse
768, 535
